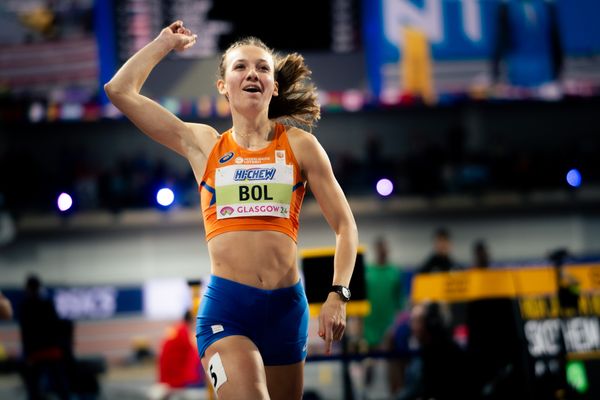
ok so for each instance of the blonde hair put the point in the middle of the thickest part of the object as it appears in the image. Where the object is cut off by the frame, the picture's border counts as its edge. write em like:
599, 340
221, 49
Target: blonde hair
298, 100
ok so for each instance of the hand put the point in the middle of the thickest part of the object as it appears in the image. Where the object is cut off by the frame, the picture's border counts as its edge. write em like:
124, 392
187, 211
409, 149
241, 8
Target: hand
178, 36
332, 320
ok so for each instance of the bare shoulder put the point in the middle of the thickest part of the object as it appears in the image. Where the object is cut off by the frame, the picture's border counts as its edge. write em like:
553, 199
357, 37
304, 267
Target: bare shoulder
203, 131
301, 140
203, 136
307, 149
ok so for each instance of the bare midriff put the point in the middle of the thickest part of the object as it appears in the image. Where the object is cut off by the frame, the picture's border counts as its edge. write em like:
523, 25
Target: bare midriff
262, 259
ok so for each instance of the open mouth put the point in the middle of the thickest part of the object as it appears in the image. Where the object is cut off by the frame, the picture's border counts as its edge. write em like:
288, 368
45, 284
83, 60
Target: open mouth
252, 89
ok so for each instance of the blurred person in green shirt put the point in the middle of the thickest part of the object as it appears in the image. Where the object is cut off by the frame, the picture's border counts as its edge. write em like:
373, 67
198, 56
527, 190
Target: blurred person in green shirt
384, 292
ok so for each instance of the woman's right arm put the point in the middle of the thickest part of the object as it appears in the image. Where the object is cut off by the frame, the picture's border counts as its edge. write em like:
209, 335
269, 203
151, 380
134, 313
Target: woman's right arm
158, 123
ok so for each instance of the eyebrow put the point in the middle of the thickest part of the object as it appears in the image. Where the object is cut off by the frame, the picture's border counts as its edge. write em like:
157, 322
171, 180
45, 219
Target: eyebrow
245, 60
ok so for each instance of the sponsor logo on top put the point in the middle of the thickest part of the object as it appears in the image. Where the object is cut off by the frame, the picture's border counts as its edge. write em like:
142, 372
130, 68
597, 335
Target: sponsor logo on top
225, 157
254, 174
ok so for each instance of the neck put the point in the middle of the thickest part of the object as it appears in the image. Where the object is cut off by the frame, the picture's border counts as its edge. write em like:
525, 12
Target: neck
252, 134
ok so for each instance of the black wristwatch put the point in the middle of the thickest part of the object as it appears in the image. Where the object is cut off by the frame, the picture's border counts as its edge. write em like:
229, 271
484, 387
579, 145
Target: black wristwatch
343, 291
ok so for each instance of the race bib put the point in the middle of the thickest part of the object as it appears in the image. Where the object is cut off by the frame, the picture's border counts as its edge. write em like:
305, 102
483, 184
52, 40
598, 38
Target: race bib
251, 190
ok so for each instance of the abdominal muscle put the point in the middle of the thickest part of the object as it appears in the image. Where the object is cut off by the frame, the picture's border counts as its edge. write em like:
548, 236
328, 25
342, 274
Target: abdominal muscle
262, 259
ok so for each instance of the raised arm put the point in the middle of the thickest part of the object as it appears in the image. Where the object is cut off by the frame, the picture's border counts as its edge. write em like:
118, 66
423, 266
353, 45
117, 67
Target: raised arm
336, 210
123, 90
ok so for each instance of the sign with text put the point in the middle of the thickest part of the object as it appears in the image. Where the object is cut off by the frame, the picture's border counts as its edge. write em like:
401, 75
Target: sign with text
460, 32
556, 312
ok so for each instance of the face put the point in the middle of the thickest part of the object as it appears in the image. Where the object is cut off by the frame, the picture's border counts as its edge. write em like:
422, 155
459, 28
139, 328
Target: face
249, 81
442, 245
417, 322
382, 252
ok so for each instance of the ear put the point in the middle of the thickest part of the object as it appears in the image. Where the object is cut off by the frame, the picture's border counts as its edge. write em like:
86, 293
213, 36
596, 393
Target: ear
276, 89
221, 87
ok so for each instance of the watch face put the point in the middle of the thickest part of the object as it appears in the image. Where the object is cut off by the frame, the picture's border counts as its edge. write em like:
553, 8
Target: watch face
346, 292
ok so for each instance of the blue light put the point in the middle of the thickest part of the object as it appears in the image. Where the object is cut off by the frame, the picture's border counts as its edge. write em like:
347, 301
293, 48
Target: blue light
165, 197
385, 187
574, 178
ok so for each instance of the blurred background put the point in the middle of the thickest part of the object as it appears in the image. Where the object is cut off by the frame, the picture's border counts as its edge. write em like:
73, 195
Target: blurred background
469, 126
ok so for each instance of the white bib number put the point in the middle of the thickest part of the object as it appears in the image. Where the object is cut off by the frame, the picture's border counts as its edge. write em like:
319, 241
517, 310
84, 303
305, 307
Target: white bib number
251, 190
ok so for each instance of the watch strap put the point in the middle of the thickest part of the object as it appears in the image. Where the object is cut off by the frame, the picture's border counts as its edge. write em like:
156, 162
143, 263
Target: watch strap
342, 291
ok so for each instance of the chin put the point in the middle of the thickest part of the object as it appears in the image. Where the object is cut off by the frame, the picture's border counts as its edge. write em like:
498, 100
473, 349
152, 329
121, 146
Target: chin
252, 105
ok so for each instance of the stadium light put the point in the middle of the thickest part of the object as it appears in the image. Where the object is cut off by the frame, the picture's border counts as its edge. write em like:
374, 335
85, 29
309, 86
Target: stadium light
384, 187
574, 178
165, 197
64, 202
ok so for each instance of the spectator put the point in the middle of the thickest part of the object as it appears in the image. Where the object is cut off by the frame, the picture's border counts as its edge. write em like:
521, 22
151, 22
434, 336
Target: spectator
45, 350
439, 370
402, 349
481, 255
179, 362
528, 40
384, 294
441, 258
6, 310
492, 344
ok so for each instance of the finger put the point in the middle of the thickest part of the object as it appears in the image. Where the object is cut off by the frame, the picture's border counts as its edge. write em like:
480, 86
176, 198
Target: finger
336, 332
339, 333
328, 346
328, 337
321, 325
341, 328
175, 25
190, 43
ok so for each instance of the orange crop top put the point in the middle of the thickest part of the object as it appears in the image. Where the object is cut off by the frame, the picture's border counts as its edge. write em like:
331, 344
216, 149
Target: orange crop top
246, 190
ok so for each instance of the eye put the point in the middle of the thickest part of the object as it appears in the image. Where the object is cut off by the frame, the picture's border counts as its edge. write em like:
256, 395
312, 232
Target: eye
264, 68
238, 66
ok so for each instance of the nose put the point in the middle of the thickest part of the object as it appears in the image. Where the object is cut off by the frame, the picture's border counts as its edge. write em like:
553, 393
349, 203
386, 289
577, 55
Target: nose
252, 75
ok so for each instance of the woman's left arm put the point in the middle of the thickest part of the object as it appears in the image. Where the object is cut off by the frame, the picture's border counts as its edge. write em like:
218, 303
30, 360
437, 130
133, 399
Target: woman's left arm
336, 210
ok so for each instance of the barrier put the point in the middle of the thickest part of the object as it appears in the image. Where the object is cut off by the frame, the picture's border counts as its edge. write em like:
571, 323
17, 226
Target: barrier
317, 268
543, 321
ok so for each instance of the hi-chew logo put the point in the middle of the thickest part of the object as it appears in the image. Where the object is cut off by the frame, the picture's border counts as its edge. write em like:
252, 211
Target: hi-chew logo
254, 174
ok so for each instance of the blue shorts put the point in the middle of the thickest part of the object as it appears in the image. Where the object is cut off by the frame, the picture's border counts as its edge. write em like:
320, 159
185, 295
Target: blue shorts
275, 320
